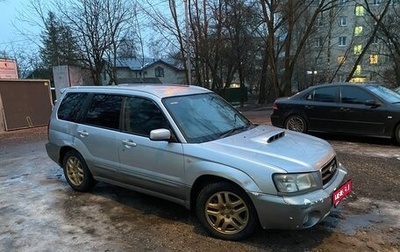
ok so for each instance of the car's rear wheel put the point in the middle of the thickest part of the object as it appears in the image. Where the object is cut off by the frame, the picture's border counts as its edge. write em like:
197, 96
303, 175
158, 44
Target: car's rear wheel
76, 172
225, 211
296, 123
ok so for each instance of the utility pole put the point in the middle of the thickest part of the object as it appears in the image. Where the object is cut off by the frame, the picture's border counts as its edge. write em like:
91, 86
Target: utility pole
189, 75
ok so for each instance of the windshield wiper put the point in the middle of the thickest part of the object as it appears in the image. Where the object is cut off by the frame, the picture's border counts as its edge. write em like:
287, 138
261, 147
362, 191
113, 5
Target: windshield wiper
232, 131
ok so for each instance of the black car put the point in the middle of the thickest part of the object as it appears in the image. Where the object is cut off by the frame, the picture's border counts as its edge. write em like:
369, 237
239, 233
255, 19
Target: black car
357, 109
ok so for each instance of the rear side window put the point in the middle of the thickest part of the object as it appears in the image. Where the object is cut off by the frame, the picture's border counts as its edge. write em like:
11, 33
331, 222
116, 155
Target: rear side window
104, 111
71, 106
325, 94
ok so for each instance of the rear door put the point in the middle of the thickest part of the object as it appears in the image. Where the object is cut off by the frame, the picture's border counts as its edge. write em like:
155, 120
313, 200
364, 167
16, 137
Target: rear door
96, 135
321, 108
155, 166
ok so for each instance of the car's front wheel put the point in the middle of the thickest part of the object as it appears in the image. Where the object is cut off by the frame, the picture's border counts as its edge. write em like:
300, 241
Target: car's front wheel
225, 211
296, 123
76, 172
397, 134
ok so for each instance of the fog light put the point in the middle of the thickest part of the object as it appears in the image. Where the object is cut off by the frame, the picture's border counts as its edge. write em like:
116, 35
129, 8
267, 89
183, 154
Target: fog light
311, 219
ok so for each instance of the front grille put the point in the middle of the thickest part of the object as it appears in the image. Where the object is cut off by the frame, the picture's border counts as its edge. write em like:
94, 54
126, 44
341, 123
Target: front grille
328, 171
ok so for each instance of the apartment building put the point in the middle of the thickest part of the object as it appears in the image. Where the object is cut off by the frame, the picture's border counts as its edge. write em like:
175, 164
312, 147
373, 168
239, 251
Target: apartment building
346, 43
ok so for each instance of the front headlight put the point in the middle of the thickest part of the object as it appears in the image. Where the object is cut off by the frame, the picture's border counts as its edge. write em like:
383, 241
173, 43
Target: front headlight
296, 182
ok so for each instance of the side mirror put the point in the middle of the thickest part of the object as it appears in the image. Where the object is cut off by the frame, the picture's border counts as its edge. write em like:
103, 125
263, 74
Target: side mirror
372, 103
160, 135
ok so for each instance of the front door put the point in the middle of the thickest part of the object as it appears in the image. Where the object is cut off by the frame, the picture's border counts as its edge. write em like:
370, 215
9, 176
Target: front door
357, 116
156, 166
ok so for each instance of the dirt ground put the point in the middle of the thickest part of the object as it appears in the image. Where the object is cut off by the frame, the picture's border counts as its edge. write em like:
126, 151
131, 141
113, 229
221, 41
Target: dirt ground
40, 212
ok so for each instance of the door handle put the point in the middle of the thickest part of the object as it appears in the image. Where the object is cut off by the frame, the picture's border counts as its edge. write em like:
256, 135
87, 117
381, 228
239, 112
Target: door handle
129, 143
83, 133
308, 107
344, 109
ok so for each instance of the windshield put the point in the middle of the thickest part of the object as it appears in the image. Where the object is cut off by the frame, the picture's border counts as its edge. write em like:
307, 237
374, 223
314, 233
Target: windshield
205, 117
385, 93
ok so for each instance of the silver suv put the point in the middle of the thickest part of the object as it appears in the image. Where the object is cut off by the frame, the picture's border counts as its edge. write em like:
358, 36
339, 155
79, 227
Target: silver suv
188, 145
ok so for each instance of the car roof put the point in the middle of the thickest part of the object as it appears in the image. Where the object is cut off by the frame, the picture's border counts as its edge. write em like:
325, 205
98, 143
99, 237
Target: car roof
347, 84
159, 90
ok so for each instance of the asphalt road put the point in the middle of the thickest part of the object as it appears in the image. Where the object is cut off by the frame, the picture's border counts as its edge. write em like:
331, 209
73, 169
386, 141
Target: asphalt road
40, 212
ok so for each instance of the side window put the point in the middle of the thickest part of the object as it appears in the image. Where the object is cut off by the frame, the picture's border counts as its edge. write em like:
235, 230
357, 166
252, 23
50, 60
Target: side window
325, 94
104, 111
354, 95
142, 116
71, 106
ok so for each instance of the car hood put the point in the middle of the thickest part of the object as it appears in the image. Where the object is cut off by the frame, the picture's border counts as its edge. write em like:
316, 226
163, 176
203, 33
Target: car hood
269, 147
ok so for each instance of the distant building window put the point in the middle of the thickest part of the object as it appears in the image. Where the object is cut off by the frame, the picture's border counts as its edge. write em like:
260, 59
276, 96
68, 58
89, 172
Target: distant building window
318, 61
357, 49
341, 59
319, 21
342, 41
342, 2
358, 70
359, 10
358, 30
373, 59
391, 20
159, 72
377, 2
318, 42
375, 40
343, 21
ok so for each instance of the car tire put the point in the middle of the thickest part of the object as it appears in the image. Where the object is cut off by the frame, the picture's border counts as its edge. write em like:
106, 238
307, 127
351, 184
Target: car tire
226, 212
397, 134
296, 123
76, 172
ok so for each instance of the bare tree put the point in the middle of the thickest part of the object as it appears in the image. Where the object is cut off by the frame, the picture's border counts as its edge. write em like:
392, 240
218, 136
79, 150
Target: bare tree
289, 25
99, 27
169, 29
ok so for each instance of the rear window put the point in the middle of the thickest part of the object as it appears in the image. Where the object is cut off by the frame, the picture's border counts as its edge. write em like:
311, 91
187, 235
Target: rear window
71, 106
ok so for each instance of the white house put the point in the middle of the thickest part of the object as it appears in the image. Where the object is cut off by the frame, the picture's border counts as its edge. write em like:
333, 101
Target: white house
136, 70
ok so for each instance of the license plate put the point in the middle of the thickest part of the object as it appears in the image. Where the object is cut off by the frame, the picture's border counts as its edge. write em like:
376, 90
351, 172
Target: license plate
341, 192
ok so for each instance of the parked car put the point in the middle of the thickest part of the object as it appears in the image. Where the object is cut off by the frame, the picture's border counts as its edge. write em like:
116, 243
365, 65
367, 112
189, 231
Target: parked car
188, 145
356, 109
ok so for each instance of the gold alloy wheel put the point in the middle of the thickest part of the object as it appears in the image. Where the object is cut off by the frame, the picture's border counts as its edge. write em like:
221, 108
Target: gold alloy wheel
74, 171
227, 213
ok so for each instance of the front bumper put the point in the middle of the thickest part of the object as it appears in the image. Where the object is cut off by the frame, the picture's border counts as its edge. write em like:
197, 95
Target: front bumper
300, 211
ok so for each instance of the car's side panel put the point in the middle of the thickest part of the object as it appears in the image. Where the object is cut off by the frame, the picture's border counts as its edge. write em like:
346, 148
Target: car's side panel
98, 146
154, 165
322, 115
357, 116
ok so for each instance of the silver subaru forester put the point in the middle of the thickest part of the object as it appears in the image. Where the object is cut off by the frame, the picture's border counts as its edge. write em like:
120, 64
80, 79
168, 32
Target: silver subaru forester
188, 145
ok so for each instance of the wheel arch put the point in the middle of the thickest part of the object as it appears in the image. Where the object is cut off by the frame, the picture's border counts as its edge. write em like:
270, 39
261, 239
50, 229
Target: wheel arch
63, 151
396, 133
231, 175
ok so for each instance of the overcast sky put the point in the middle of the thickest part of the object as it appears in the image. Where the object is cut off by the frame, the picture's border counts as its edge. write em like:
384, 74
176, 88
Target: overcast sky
9, 25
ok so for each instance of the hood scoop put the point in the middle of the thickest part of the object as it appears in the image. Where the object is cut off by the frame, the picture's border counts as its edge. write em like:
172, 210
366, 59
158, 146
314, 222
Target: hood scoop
276, 137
